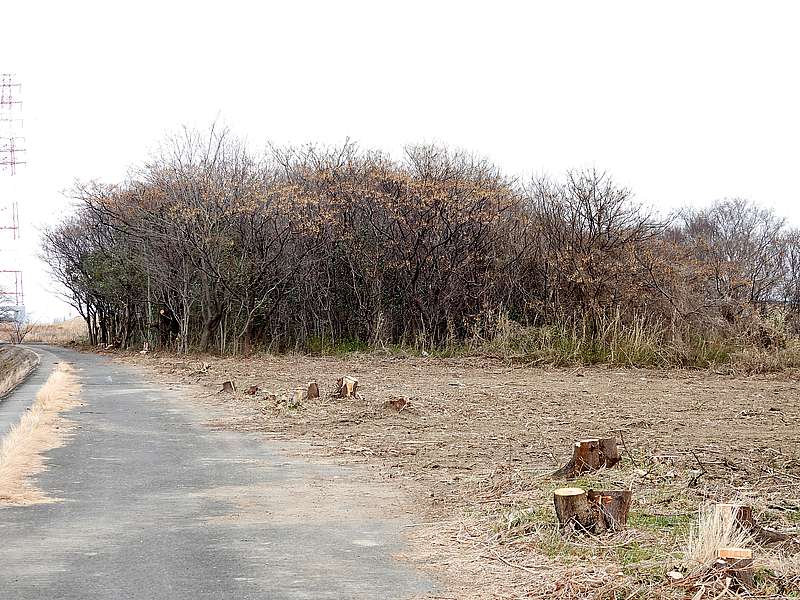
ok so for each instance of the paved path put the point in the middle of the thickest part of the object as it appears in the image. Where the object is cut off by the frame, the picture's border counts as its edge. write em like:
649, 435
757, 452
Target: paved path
155, 504
14, 405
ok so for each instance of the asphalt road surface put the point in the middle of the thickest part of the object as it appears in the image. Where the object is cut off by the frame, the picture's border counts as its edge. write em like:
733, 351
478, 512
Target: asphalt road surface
13, 406
156, 504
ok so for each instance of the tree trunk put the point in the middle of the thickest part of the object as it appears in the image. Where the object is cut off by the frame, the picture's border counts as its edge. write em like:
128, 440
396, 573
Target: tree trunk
347, 387
103, 328
296, 397
247, 331
741, 514
149, 309
92, 340
573, 510
210, 323
129, 320
111, 319
588, 455
247, 337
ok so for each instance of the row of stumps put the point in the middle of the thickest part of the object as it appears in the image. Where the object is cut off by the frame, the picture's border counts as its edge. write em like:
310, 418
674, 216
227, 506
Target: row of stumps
346, 387
597, 512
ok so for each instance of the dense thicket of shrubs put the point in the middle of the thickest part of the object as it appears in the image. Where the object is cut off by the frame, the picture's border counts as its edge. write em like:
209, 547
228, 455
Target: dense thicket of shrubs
209, 246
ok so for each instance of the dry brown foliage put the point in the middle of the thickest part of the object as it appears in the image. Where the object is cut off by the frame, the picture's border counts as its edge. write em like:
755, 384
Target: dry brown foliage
210, 246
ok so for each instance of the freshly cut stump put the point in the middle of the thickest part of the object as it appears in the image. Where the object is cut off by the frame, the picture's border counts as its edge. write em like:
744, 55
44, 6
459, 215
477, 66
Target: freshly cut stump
573, 510
738, 563
347, 387
589, 455
228, 387
592, 511
612, 508
313, 390
297, 396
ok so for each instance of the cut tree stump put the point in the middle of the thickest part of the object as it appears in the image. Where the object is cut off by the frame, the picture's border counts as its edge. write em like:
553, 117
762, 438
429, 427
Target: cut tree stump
592, 511
228, 387
292, 399
742, 515
588, 455
252, 390
573, 510
313, 390
296, 397
738, 564
347, 387
612, 507
398, 404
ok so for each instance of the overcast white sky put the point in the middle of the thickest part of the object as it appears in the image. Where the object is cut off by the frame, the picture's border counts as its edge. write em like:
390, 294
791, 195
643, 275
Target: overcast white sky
684, 102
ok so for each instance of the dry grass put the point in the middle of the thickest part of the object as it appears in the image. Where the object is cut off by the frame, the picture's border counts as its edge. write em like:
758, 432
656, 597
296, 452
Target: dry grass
777, 565
41, 428
639, 342
65, 332
714, 529
15, 366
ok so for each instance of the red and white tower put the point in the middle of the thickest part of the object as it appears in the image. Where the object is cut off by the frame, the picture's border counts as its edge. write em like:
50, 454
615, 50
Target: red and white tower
12, 152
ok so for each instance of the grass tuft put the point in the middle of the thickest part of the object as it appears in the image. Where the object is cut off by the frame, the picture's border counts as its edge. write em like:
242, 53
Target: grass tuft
713, 530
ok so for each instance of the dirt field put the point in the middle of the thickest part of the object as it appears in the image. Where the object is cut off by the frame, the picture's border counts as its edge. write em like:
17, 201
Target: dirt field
478, 438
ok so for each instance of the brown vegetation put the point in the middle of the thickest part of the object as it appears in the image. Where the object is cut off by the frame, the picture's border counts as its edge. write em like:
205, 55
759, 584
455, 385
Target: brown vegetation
41, 428
62, 332
210, 247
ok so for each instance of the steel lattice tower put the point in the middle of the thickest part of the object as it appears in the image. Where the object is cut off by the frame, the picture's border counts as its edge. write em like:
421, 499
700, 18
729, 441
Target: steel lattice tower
11, 151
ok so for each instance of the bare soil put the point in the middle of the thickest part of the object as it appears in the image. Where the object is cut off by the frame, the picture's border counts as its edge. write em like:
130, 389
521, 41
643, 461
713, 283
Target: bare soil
478, 438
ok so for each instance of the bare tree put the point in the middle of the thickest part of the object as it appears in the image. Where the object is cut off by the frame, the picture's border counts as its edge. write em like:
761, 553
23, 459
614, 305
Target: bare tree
742, 248
590, 229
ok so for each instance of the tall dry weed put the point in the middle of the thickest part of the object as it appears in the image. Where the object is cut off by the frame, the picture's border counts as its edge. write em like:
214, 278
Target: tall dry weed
715, 528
